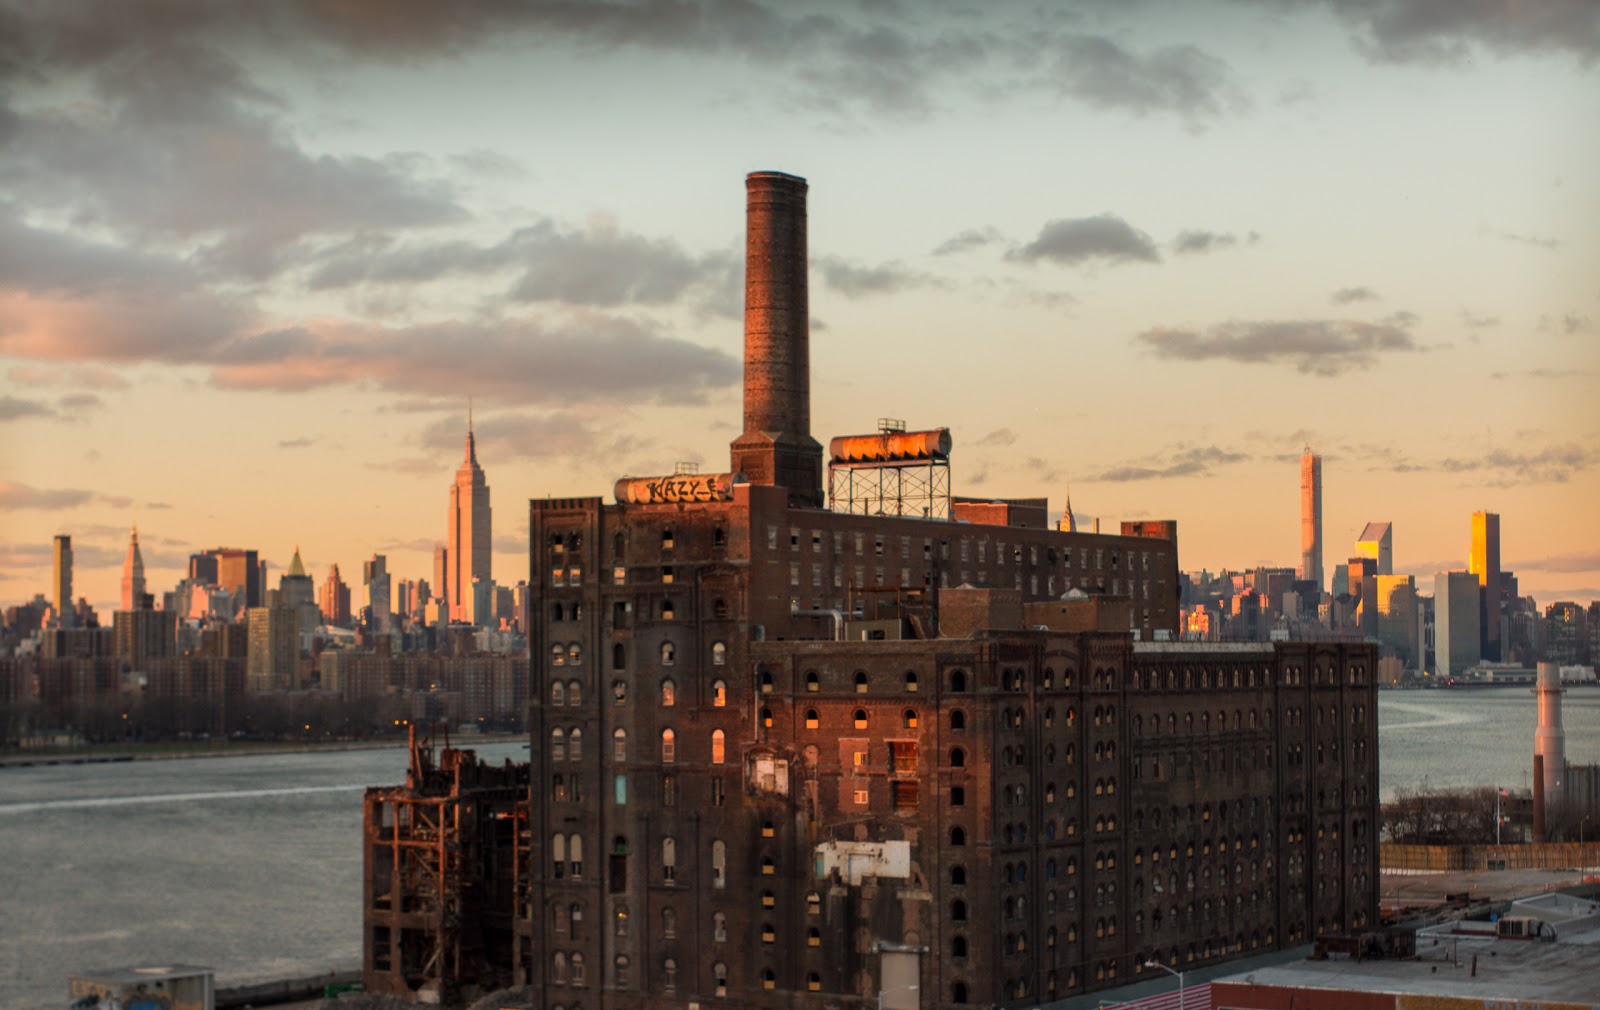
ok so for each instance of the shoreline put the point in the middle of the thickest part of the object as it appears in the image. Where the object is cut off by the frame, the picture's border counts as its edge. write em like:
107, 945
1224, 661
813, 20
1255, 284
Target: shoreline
119, 753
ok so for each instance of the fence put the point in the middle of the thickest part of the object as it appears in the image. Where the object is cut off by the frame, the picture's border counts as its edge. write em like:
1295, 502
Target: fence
1439, 858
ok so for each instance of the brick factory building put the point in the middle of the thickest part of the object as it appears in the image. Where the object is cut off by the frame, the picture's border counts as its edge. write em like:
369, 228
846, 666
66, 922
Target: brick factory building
799, 749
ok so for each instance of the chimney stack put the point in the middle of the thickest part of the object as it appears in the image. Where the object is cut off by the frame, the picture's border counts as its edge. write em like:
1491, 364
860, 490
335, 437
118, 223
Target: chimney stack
776, 447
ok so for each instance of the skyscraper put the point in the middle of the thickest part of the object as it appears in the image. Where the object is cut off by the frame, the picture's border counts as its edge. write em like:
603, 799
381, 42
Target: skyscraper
298, 592
1485, 564
1311, 517
1377, 542
467, 536
132, 575
61, 582
1455, 622
334, 599
375, 574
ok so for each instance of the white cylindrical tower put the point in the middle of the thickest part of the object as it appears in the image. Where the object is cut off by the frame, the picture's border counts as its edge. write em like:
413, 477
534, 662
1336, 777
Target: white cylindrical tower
1550, 740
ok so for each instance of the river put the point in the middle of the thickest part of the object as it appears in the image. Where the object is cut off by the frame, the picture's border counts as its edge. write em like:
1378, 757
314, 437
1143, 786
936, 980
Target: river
252, 865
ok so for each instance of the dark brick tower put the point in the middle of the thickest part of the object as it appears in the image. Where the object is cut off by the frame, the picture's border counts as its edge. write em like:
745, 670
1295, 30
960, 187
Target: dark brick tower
777, 447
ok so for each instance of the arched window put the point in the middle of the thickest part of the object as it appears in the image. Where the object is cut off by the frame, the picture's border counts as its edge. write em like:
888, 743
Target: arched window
958, 911
861, 682
958, 992
575, 654
958, 682
669, 860
766, 717
911, 681
558, 855
719, 864
958, 946
719, 693
908, 718
719, 654
719, 927
768, 979
812, 720
958, 757
958, 835
669, 747
619, 657
558, 693
575, 856
861, 718
958, 719
958, 796
812, 683
580, 974
669, 653
669, 693
558, 654
574, 693
558, 967
619, 746
813, 980
719, 753
558, 745
958, 875
575, 745
766, 682
719, 975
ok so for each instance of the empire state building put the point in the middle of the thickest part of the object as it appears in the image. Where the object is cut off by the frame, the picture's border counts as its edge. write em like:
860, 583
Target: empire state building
468, 540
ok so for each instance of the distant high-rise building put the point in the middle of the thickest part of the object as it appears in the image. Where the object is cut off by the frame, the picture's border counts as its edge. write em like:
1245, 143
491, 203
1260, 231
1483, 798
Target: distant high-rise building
375, 576
467, 536
132, 575
1455, 622
1397, 617
1377, 542
61, 582
334, 600
298, 591
1311, 518
272, 651
240, 571
441, 575
1485, 564
1069, 522
203, 568
142, 634
1363, 586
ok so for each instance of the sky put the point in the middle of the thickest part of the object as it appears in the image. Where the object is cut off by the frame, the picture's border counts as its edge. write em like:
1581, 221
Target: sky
256, 259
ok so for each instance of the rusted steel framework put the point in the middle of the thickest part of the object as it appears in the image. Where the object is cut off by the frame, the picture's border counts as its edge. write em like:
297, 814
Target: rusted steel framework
444, 877
892, 473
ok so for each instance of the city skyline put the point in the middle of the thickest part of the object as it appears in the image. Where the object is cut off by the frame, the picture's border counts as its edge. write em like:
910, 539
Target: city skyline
258, 262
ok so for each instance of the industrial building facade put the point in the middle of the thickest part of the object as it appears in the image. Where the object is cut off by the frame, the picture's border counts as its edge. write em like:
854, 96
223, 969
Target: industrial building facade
918, 750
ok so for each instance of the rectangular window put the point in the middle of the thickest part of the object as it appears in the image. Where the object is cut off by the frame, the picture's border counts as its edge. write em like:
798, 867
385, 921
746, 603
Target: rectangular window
558, 577
620, 789
794, 573
816, 541
717, 792
903, 757
861, 797
860, 758
772, 538
669, 790
619, 575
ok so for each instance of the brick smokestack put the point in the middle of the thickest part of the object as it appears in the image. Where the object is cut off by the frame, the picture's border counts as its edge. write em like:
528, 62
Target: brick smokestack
776, 446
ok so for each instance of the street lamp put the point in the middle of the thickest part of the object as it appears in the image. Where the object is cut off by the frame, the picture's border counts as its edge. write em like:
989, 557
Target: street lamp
1169, 971
900, 988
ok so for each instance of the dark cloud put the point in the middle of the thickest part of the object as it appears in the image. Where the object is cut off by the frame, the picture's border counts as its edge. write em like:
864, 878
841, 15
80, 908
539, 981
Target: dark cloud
563, 359
1195, 241
1180, 79
1316, 347
1536, 241
1000, 436
15, 496
1575, 561
1344, 296
854, 280
1446, 31
1076, 240
78, 403
303, 442
1183, 461
1569, 325
1510, 467
14, 408
526, 435
972, 238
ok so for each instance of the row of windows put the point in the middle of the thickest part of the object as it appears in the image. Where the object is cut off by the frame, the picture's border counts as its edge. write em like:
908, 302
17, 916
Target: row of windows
1136, 560
568, 745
